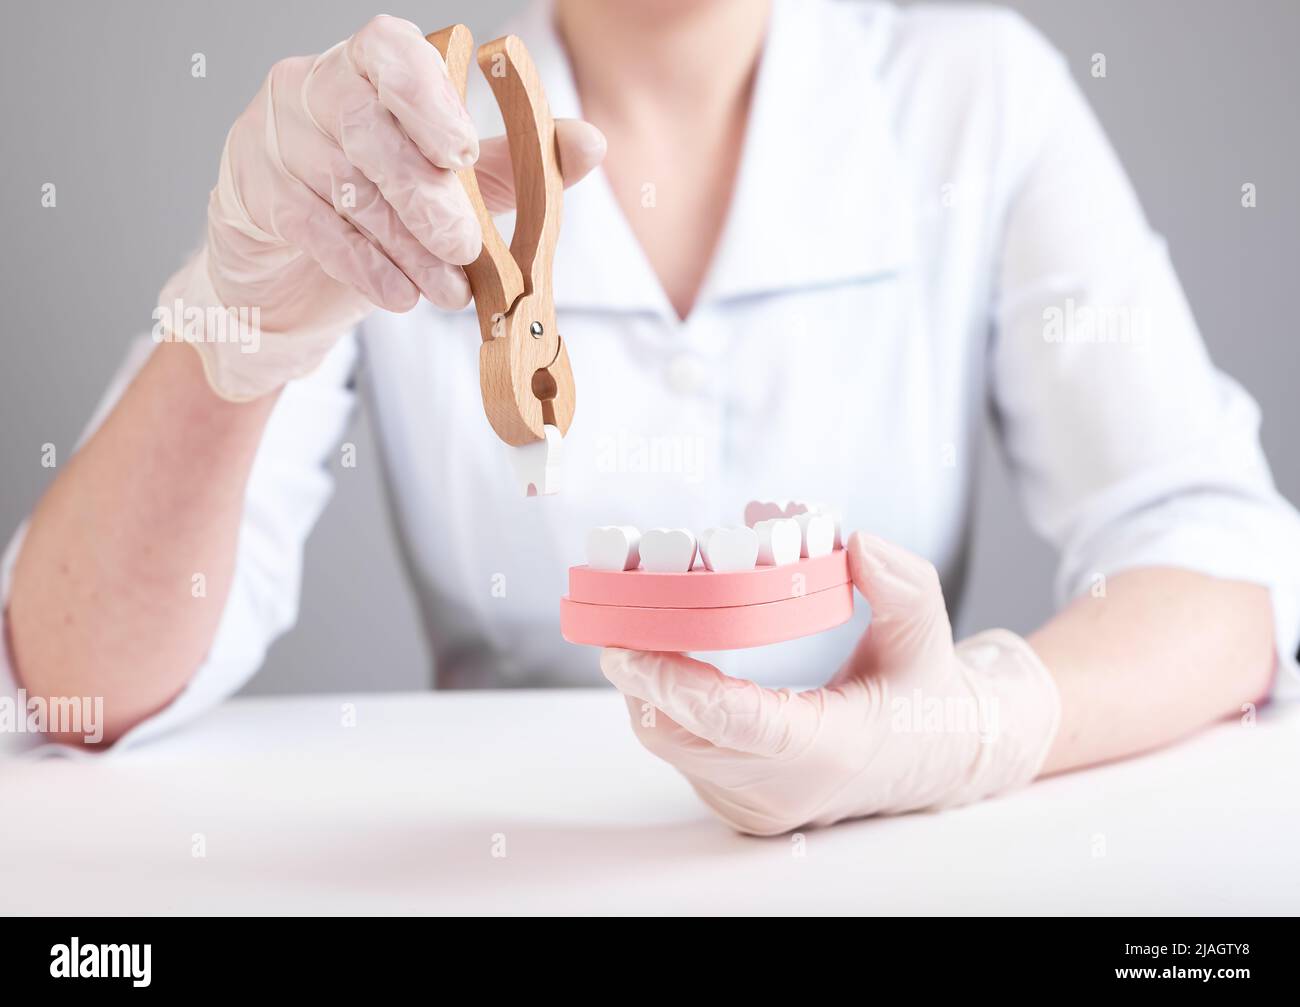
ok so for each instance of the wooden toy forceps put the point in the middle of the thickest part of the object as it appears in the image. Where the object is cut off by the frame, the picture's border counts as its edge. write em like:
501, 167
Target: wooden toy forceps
524, 373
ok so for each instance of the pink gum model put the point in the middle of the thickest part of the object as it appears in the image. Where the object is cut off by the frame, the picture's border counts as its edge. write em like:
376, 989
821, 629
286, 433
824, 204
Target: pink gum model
702, 610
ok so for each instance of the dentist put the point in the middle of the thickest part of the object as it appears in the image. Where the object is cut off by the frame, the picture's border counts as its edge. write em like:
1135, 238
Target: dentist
824, 238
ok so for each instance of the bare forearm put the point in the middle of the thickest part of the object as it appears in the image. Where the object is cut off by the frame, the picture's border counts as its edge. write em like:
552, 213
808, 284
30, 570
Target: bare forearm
128, 559
1164, 652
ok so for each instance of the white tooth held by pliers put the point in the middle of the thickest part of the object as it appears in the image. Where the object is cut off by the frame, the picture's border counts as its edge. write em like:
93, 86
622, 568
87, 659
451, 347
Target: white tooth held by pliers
539, 465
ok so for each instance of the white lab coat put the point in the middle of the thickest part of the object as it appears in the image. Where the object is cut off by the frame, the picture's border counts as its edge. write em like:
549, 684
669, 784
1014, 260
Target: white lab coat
926, 213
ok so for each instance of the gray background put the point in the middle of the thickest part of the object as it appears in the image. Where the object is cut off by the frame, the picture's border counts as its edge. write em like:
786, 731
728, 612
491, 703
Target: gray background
98, 98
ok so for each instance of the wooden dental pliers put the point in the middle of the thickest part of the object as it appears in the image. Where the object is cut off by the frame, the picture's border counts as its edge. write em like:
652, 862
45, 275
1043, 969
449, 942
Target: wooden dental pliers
524, 373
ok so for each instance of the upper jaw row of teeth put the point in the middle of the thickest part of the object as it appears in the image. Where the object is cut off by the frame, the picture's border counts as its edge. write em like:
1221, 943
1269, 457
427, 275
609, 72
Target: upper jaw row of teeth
774, 533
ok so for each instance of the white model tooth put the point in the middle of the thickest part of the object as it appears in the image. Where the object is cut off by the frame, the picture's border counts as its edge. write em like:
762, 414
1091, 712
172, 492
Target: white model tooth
766, 510
834, 516
779, 540
728, 549
817, 534
763, 510
698, 562
799, 507
613, 547
667, 550
838, 541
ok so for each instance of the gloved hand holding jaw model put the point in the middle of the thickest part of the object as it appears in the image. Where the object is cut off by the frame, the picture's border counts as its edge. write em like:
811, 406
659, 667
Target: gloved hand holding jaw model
910, 722
337, 194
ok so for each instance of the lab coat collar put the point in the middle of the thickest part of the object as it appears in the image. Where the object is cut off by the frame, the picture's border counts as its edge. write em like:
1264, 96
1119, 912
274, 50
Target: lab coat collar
818, 197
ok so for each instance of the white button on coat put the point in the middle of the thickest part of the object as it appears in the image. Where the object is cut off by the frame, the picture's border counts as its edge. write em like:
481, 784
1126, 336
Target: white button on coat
901, 196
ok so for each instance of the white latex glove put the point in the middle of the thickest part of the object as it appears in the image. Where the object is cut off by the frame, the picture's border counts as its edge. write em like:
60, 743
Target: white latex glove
909, 722
336, 193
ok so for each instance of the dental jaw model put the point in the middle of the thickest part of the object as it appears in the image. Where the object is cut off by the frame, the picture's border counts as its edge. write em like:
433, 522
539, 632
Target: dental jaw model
524, 374
782, 575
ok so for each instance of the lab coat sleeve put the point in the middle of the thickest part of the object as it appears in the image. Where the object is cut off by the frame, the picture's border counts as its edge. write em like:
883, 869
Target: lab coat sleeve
1128, 447
288, 488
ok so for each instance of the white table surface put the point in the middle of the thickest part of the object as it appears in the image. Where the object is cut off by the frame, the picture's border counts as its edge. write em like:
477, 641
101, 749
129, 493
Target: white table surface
400, 813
